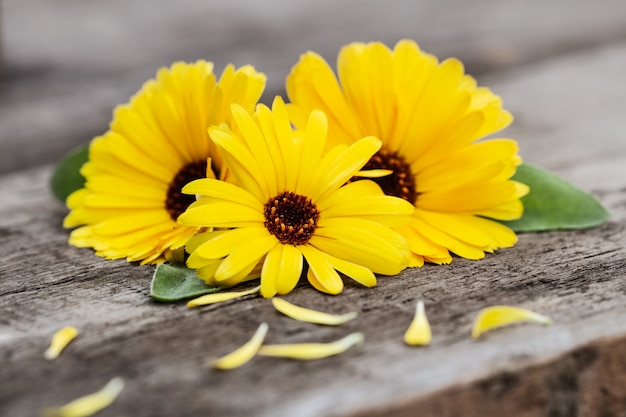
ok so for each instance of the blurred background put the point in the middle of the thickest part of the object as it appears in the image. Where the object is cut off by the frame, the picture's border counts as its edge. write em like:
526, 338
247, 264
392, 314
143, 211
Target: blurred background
67, 63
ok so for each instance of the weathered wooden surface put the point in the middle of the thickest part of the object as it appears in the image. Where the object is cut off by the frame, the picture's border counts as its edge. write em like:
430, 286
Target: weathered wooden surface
569, 111
69, 62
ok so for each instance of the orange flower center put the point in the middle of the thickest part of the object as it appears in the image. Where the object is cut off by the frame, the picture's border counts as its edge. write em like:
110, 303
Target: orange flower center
291, 217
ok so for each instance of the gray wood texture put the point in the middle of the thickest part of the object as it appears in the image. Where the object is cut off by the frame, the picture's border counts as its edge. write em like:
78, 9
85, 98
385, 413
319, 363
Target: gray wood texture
68, 62
558, 66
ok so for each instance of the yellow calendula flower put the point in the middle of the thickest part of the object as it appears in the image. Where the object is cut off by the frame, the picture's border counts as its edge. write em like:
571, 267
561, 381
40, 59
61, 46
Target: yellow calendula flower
291, 205
156, 144
430, 117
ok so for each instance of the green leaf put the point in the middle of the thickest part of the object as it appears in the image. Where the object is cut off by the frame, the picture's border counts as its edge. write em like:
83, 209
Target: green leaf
175, 282
554, 204
66, 177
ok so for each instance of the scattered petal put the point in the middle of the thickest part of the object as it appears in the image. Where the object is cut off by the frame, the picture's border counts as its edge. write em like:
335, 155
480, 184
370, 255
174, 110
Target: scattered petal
246, 352
418, 333
59, 341
89, 404
311, 316
498, 316
310, 351
219, 297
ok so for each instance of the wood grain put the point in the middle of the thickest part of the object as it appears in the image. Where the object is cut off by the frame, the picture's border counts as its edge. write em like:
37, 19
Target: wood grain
68, 62
577, 278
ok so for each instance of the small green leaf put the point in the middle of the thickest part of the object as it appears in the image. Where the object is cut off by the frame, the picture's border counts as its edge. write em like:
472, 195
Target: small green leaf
554, 204
66, 177
175, 282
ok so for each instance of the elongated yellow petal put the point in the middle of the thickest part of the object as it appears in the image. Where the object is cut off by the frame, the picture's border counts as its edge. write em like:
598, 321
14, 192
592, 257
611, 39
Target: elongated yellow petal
498, 316
373, 173
418, 333
310, 351
220, 296
89, 404
246, 352
311, 316
59, 341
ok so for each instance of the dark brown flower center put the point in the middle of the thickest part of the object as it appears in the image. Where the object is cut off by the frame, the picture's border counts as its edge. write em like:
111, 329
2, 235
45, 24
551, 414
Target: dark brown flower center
401, 182
175, 201
291, 217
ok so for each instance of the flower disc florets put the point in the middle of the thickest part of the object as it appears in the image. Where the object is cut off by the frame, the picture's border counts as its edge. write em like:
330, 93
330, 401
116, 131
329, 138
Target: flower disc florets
291, 217
176, 202
401, 182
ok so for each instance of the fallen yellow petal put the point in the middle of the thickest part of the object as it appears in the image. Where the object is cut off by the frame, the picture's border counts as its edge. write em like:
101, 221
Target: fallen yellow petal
220, 297
246, 352
60, 339
497, 316
418, 333
309, 351
89, 404
311, 316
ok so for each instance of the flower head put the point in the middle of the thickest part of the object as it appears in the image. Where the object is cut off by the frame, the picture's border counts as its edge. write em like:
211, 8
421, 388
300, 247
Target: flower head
291, 204
429, 117
156, 144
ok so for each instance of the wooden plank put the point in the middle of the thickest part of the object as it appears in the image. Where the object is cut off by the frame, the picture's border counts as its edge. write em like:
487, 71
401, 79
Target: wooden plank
575, 367
69, 63
575, 277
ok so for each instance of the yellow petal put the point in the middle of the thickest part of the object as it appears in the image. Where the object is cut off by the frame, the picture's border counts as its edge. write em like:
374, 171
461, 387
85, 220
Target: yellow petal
310, 351
418, 333
60, 339
374, 173
498, 316
246, 352
311, 316
89, 404
220, 296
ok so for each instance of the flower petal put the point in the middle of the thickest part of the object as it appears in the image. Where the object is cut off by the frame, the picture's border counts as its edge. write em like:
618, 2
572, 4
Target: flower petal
220, 297
418, 333
311, 316
89, 404
310, 351
223, 190
225, 242
291, 264
498, 316
242, 355
346, 164
220, 214
373, 173
59, 341
247, 254
321, 274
